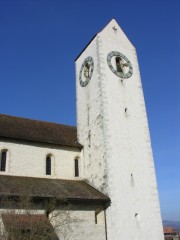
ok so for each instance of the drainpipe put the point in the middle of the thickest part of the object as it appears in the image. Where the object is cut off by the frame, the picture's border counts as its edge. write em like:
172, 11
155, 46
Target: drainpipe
105, 223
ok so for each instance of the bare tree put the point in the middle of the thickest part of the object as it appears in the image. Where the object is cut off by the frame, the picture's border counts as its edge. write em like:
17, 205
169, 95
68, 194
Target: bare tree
35, 219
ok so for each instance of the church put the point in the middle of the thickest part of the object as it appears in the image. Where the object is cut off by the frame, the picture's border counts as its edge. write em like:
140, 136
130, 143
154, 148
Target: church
101, 173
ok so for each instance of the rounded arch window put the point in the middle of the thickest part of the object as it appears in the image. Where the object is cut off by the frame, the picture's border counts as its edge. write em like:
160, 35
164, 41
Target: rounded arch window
3, 160
76, 167
48, 164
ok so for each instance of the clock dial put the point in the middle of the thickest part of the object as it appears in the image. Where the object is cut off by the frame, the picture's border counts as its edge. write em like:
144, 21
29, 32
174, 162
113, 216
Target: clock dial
119, 64
86, 71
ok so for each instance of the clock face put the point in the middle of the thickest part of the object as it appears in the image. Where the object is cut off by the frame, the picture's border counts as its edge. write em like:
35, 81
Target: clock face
119, 64
86, 71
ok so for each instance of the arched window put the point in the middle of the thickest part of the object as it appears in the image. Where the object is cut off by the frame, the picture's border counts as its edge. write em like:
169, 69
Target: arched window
48, 165
3, 160
76, 167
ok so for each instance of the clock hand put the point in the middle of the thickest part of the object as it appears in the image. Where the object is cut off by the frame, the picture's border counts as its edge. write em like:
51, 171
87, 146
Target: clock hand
124, 65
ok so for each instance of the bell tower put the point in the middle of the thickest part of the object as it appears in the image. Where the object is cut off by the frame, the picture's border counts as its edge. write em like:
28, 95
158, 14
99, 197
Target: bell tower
113, 129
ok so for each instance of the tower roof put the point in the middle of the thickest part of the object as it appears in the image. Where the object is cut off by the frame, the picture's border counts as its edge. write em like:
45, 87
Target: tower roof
113, 23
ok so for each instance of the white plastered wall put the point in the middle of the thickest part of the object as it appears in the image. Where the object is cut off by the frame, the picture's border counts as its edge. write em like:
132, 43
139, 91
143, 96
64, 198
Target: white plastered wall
90, 121
27, 159
79, 224
131, 153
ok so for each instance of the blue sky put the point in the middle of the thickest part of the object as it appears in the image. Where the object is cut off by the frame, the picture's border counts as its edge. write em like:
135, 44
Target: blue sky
39, 41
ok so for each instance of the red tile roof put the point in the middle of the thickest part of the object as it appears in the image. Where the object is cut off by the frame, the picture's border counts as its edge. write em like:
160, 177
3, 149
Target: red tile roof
24, 221
28, 226
169, 230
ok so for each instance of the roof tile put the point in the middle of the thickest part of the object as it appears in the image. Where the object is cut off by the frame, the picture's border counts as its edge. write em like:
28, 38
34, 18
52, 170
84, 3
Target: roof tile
38, 131
47, 188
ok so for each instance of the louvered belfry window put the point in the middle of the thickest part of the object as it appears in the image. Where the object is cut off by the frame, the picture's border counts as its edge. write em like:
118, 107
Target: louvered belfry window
48, 165
3, 160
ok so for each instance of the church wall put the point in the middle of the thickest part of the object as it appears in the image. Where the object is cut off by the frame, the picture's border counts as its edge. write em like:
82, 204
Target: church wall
90, 121
76, 223
27, 159
130, 162
81, 223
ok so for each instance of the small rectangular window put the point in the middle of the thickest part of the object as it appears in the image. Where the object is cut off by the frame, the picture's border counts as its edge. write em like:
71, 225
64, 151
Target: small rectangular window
76, 168
96, 217
3, 161
48, 165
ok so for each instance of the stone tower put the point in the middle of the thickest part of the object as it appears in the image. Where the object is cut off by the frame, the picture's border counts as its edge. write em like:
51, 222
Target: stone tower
113, 129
